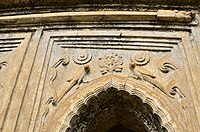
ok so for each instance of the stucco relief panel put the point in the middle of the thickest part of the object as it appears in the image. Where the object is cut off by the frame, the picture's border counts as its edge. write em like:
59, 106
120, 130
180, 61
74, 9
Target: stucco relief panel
77, 57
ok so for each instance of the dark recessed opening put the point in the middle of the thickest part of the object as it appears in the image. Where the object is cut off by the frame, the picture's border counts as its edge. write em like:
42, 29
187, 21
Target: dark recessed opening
115, 111
119, 128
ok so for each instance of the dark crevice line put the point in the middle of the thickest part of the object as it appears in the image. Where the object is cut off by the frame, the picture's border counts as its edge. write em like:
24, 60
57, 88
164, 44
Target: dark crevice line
6, 50
8, 46
113, 45
120, 48
115, 40
11, 39
11, 43
116, 36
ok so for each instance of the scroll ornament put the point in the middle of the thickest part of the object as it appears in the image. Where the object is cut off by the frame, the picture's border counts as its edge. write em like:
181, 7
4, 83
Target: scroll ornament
140, 73
173, 86
74, 81
3, 64
63, 61
110, 63
165, 65
52, 100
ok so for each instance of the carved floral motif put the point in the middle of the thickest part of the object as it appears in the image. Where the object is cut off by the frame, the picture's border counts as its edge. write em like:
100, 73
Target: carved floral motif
111, 63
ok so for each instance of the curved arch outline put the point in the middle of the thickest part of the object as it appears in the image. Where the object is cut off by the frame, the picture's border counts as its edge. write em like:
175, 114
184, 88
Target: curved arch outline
128, 85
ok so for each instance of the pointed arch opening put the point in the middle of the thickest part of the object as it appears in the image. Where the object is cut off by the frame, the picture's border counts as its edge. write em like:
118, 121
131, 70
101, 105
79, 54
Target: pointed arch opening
115, 110
133, 104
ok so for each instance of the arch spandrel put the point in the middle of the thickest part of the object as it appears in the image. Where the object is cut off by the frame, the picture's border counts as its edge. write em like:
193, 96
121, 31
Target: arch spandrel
69, 106
60, 58
151, 76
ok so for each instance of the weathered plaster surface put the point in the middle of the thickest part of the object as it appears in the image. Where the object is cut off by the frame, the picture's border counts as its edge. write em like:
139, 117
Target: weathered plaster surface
53, 64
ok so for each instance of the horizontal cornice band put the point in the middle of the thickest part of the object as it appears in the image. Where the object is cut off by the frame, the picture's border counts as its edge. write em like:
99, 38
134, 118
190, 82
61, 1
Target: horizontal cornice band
98, 16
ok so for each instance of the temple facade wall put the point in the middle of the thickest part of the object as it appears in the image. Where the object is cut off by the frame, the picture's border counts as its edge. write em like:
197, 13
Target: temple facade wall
52, 64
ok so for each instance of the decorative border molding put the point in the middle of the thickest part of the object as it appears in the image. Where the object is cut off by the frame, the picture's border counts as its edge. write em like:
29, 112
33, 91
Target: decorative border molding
166, 119
52, 39
122, 42
11, 88
8, 45
99, 16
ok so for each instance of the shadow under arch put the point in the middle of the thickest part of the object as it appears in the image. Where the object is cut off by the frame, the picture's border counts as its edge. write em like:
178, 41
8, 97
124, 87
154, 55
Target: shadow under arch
68, 110
115, 110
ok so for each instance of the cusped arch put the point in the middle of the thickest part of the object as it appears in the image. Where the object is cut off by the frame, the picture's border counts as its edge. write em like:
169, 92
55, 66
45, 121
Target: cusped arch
70, 106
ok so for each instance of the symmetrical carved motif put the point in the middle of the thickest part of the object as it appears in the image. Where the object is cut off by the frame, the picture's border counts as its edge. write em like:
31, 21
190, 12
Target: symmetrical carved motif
64, 61
165, 66
52, 100
140, 59
143, 68
34, 61
82, 58
75, 81
110, 63
140, 73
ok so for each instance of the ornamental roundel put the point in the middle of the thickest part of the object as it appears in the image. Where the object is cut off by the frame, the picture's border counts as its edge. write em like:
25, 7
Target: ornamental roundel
82, 58
140, 59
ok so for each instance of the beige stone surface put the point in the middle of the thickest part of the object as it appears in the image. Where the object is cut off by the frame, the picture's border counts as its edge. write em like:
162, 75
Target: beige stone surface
98, 16
82, 71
